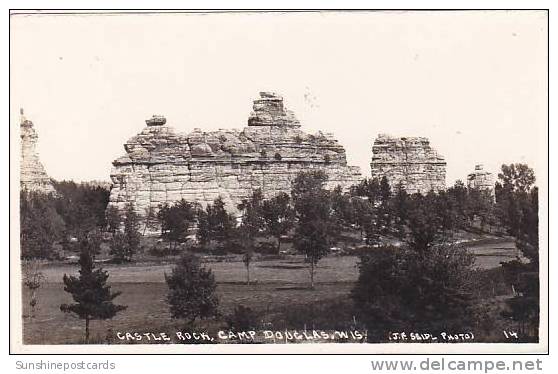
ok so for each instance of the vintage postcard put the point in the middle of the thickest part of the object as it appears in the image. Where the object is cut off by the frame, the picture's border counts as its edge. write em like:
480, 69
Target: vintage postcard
279, 182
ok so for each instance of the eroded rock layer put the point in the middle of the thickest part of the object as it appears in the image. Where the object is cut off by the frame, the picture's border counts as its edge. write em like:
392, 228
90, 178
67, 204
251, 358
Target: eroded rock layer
410, 161
162, 165
33, 176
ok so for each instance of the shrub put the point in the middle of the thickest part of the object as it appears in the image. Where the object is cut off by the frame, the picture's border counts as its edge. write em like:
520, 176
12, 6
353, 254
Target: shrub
406, 289
322, 315
242, 319
266, 248
232, 246
159, 250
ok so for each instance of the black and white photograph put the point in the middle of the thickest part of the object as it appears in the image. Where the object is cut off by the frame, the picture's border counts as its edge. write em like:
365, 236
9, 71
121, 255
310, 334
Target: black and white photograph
279, 181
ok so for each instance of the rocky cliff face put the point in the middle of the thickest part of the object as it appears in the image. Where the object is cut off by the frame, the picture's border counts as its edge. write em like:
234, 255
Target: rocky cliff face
480, 179
162, 165
33, 176
409, 161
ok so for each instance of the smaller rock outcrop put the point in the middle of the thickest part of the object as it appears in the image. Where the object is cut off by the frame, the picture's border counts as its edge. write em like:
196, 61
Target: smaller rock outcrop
33, 176
480, 179
409, 161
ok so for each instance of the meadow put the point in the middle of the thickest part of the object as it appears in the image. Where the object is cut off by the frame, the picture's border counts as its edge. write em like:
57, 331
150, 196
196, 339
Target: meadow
278, 293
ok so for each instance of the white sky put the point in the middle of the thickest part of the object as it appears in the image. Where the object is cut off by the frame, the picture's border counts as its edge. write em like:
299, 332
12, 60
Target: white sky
475, 83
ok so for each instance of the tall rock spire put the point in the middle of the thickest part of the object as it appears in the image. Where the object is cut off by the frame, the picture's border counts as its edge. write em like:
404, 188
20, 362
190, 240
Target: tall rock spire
33, 176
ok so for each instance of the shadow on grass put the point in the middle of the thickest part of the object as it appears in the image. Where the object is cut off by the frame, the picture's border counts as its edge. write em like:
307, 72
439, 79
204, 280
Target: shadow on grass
294, 288
285, 267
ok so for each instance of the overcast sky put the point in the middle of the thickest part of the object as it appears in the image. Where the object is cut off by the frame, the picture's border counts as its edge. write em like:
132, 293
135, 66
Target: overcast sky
473, 82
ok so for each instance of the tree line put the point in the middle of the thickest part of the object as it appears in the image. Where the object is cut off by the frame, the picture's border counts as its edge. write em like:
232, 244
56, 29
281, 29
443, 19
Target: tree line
75, 210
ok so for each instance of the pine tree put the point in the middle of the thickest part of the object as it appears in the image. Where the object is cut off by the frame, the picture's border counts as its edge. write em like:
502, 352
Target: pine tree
400, 209
131, 232
384, 211
372, 225
215, 223
343, 209
191, 292
90, 241
113, 219
93, 297
459, 196
221, 222
124, 245
424, 222
176, 220
362, 209
203, 234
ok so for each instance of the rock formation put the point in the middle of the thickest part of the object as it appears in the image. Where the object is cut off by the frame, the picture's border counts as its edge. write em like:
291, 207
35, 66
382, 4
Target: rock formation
33, 176
480, 179
409, 161
162, 165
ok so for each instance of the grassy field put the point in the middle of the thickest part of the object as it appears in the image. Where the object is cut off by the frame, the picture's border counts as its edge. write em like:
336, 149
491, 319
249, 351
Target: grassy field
277, 284
274, 284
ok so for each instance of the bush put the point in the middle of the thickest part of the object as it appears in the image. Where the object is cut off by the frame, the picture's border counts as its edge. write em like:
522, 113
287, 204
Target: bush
231, 246
404, 289
242, 319
199, 248
266, 248
160, 250
218, 250
322, 315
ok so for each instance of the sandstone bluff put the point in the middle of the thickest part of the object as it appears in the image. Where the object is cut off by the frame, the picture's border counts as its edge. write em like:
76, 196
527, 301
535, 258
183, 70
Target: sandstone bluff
409, 161
162, 165
33, 176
